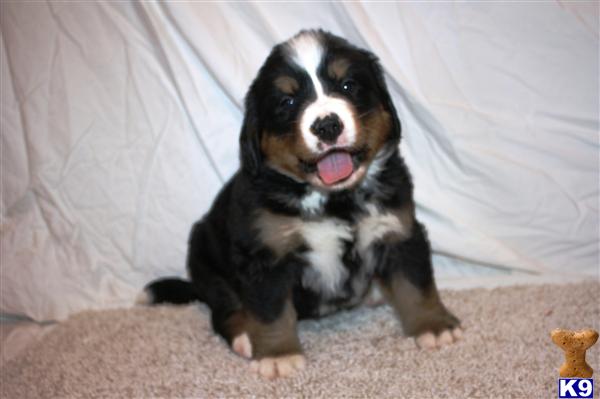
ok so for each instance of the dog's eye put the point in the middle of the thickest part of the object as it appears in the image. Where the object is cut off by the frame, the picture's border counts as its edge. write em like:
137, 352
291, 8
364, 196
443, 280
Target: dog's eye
348, 85
287, 102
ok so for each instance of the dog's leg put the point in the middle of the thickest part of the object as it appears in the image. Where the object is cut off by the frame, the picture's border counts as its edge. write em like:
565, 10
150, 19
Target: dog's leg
263, 327
405, 275
274, 346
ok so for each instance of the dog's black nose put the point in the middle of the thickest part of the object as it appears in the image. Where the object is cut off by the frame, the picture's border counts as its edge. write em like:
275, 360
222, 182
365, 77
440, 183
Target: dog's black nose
327, 129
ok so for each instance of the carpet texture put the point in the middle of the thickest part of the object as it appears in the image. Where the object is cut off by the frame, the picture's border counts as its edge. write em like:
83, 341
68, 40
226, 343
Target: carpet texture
171, 352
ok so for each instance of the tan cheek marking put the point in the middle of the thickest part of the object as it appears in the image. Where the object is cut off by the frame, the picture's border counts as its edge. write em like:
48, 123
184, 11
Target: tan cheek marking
277, 152
374, 131
286, 84
284, 151
337, 68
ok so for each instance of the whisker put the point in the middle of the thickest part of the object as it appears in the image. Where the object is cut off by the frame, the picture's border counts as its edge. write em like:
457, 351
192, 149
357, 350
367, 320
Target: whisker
365, 113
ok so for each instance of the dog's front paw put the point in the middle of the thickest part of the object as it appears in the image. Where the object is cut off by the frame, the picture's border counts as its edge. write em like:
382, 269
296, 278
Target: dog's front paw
280, 366
429, 340
436, 329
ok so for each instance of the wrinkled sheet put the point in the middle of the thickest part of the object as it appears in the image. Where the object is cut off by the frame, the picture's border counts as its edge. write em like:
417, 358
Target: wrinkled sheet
120, 123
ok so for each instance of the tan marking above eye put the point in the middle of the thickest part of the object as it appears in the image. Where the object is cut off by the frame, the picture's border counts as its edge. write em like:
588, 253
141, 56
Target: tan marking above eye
286, 84
337, 68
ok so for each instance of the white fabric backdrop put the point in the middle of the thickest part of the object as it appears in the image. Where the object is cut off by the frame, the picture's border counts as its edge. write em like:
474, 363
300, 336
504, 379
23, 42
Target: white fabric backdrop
120, 124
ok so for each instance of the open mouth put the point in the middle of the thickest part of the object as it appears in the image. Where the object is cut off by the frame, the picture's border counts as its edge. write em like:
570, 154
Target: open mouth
335, 167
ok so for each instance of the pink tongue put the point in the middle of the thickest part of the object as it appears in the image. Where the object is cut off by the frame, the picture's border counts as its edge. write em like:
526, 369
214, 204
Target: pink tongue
335, 167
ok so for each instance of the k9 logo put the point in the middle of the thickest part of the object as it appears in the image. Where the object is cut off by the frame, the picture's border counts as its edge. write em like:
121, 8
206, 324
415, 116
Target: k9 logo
575, 388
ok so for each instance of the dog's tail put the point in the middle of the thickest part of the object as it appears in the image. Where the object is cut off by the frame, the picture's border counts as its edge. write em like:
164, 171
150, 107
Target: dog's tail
169, 290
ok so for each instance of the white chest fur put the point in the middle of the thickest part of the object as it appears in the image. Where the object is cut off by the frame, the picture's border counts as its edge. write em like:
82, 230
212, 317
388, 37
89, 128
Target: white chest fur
326, 273
327, 238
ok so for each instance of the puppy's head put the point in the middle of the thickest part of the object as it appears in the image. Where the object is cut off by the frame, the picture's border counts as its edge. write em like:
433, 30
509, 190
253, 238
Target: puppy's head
318, 112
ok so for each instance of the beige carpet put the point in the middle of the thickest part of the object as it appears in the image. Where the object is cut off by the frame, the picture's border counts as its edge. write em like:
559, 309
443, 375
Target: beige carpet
171, 352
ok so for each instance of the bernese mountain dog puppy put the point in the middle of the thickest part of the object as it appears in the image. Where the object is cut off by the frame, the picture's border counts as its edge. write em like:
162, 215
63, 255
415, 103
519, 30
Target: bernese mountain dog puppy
320, 213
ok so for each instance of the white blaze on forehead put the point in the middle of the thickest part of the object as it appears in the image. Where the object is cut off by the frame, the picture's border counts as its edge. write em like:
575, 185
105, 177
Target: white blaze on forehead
306, 50
307, 53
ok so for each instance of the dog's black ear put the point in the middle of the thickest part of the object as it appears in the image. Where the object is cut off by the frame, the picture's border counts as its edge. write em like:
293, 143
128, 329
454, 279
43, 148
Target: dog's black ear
385, 96
250, 155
